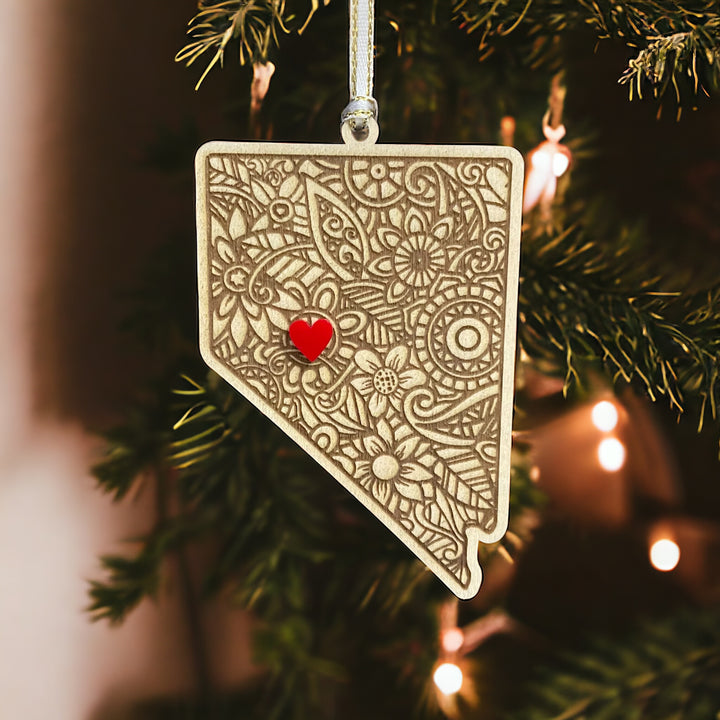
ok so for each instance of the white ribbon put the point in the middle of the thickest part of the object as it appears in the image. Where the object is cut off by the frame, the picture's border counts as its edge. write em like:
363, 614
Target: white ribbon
362, 104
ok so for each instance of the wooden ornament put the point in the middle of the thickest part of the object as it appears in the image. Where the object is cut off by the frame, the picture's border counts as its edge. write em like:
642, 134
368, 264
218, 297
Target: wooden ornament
410, 255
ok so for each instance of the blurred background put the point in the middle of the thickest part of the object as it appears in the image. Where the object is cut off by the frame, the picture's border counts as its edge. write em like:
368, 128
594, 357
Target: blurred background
91, 92
83, 98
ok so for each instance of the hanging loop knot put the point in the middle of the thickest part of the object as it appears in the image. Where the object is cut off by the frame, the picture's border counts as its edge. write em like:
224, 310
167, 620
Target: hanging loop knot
358, 110
360, 114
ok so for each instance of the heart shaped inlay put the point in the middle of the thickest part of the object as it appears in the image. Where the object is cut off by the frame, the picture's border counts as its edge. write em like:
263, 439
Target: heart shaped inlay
311, 340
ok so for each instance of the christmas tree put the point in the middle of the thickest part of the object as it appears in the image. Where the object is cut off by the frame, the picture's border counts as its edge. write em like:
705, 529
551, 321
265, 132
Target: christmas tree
618, 300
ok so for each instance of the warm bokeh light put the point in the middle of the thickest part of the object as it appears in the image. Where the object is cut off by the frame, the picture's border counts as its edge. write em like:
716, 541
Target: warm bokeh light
611, 454
605, 416
560, 163
452, 639
449, 678
541, 159
664, 555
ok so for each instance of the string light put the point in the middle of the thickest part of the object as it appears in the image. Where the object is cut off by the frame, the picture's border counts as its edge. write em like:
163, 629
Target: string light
560, 162
605, 416
452, 639
611, 454
262, 73
664, 554
449, 678
547, 162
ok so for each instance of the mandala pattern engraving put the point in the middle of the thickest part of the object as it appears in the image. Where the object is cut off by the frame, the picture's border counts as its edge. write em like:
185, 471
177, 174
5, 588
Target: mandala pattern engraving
411, 252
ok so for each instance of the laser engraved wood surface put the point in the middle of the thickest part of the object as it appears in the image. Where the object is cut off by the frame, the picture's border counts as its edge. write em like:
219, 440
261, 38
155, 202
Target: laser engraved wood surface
411, 253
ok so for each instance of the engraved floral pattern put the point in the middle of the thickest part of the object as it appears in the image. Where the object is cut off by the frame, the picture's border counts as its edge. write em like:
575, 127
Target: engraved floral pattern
385, 381
407, 256
392, 467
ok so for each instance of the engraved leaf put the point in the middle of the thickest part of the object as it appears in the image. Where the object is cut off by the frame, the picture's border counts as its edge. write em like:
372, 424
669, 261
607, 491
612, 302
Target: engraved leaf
443, 229
261, 326
237, 224
260, 193
326, 297
226, 305
396, 292
217, 231
289, 186
286, 301
414, 222
239, 328
495, 193
381, 266
352, 322
388, 237
338, 232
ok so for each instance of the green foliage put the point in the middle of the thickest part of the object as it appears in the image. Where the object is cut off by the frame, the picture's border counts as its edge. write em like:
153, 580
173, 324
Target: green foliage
131, 449
292, 546
254, 24
664, 670
586, 299
685, 56
130, 580
676, 44
676, 41
581, 304
342, 609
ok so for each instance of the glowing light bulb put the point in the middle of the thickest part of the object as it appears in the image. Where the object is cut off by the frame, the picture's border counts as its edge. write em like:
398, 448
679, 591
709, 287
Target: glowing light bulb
452, 639
541, 159
664, 555
449, 678
560, 163
605, 416
611, 454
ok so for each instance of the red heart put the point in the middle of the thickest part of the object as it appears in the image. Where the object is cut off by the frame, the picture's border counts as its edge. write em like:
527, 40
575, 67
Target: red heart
311, 340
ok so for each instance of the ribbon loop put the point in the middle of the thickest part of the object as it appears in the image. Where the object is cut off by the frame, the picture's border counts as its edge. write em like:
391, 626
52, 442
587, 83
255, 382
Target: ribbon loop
362, 105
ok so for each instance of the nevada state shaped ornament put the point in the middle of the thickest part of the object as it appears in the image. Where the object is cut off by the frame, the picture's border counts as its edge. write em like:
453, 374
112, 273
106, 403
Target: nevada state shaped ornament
406, 259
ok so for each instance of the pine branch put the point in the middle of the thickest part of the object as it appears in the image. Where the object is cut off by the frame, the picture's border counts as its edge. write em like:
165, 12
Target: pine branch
673, 60
676, 40
294, 547
676, 44
131, 450
665, 670
130, 579
580, 304
253, 23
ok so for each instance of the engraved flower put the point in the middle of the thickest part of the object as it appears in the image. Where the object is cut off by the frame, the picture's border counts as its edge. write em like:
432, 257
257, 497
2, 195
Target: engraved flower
385, 381
412, 257
245, 294
379, 181
395, 464
280, 203
418, 259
